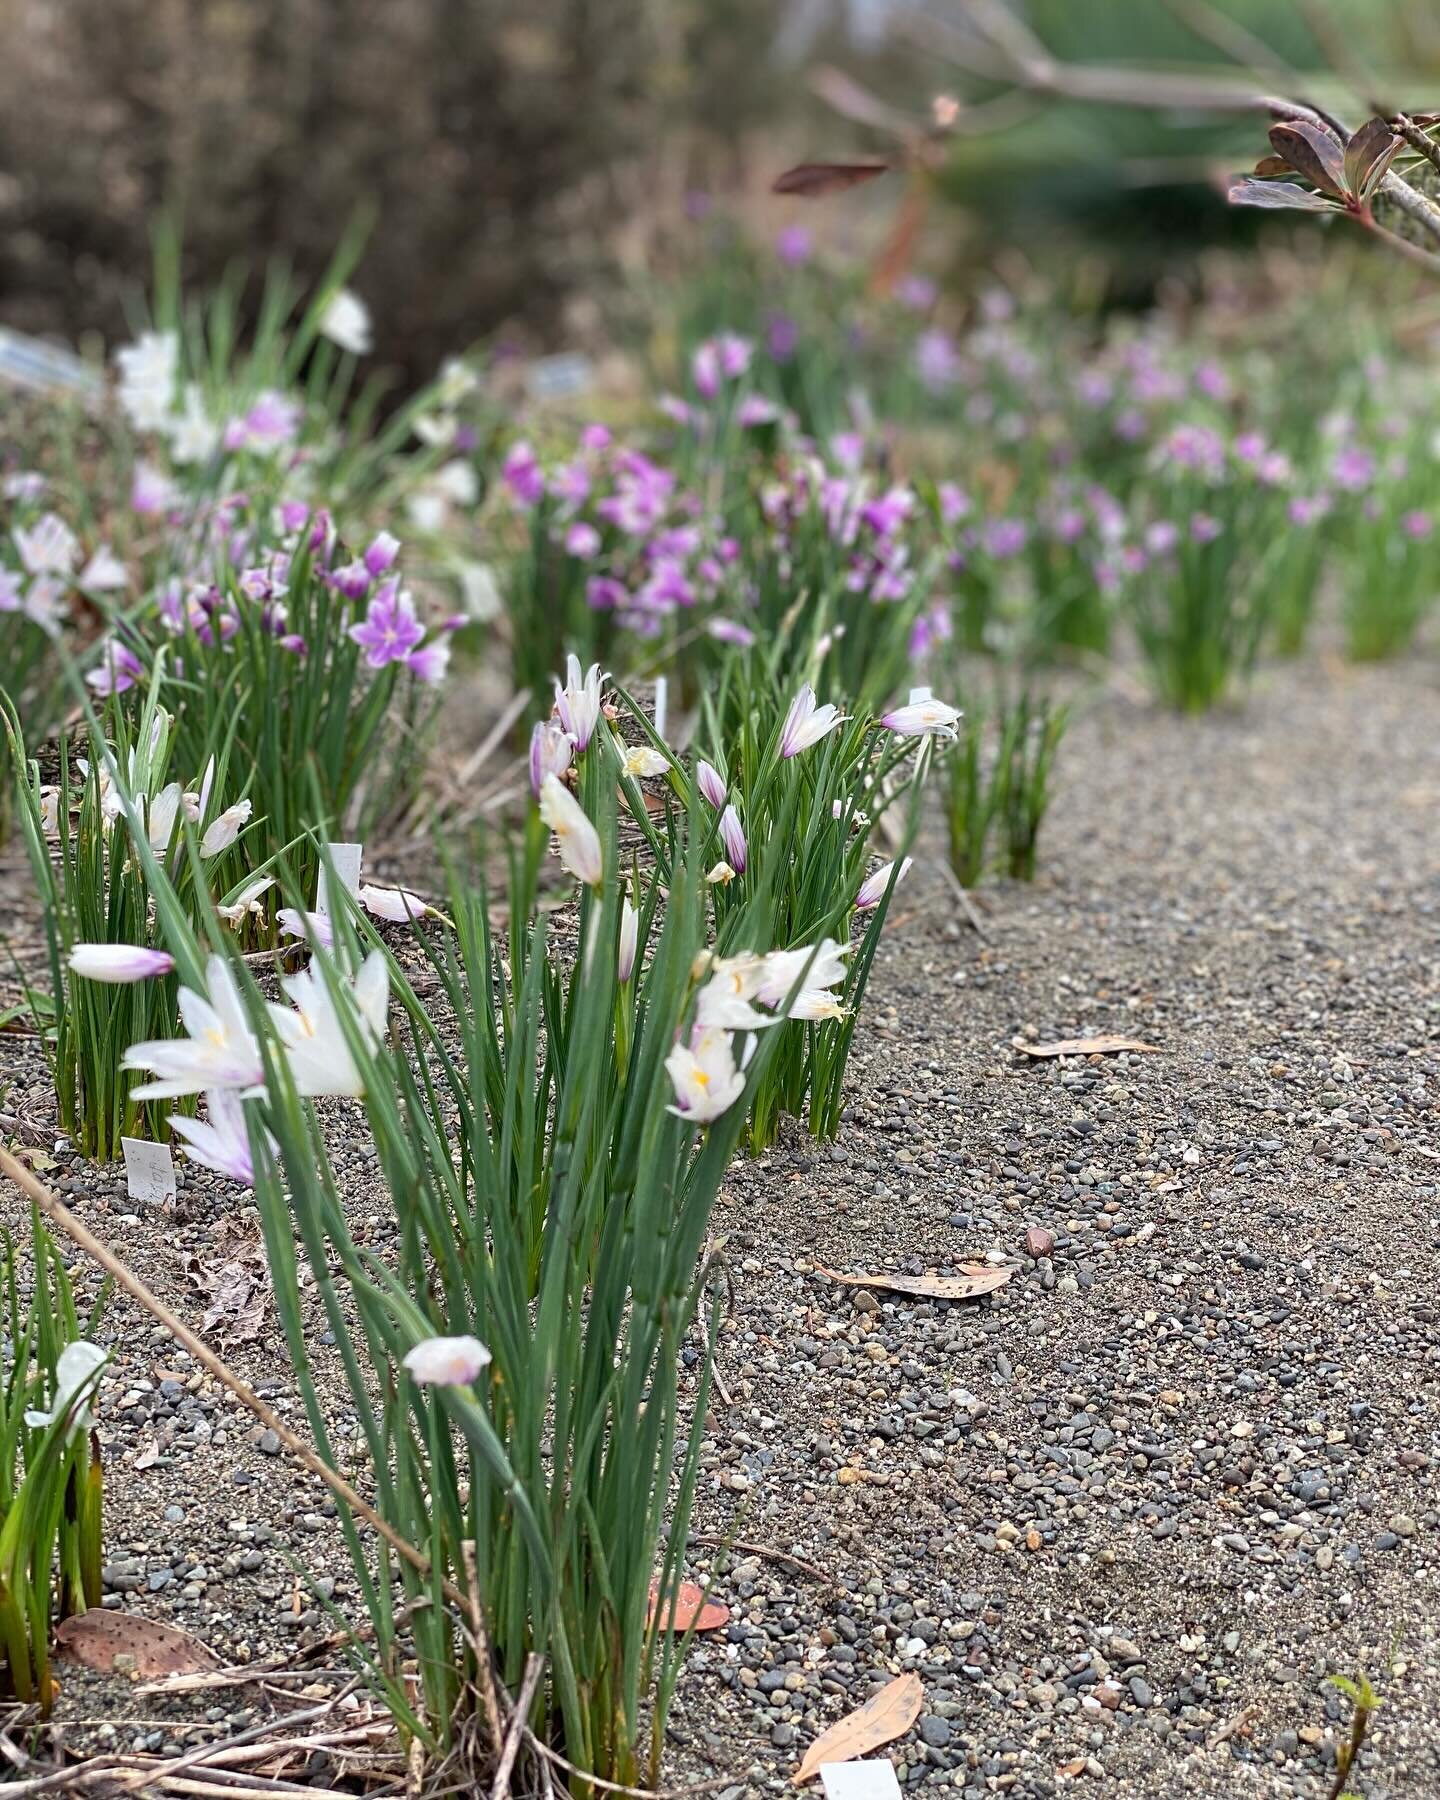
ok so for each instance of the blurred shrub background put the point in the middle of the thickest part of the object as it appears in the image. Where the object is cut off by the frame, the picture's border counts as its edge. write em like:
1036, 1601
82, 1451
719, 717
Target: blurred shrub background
514, 157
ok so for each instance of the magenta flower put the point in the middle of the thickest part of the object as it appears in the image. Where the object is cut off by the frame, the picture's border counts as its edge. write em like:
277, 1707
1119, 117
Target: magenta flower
1417, 525
794, 246
1204, 529
1353, 468
389, 631
730, 631
380, 557
603, 593
595, 437
918, 292
522, 474
782, 337
272, 421
119, 962
582, 539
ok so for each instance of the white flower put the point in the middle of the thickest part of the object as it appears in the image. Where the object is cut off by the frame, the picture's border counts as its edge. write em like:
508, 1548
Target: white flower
806, 723
446, 1361
577, 703
194, 436
704, 1076
872, 889
458, 482
346, 322
313, 1034
222, 1141
578, 839
820, 966
457, 379
163, 811
148, 371
246, 901
219, 1051
118, 962
75, 1370
642, 761
725, 998
435, 430
223, 830
629, 940
48, 547
312, 927
104, 573
395, 905
479, 592
816, 1003
922, 716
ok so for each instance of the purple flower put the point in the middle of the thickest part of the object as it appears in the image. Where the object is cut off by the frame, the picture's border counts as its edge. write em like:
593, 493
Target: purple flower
755, 410
1308, 511
293, 514
729, 631
782, 337
1004, 537
937, 361
954, 502
272, 421
794, 246
733, 837
1204, 529
1353, 468
1212, 381
603, 593
1162, 537
710, 784
582, 539
9, 591
119, 669
1417, 525
523, 476
389, 631
380, 557
295, 644
430, 661
595, 437
723, 358
918, 292
353, 581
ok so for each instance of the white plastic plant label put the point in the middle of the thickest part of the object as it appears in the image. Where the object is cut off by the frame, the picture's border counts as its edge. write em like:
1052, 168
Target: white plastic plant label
873, 1780
149, 1171
345, 860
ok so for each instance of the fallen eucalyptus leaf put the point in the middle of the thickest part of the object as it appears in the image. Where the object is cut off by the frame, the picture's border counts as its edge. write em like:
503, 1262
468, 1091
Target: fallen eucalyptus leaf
974, 1281
1089, 1046
883, 1718
147, 1648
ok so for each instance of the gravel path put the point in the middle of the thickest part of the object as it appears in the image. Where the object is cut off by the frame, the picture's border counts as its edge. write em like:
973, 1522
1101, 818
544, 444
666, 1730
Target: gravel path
1125, 1516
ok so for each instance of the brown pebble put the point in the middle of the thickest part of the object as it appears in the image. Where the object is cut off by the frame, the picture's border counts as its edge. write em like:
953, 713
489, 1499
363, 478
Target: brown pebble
1039, 1241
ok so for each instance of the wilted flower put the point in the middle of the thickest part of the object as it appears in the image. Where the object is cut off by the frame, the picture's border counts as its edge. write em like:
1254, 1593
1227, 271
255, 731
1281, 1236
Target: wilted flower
922, 716
394, 905
223, 830
872, 889
642, 762
310, 927
446, 1361
704, 1076
578, 839
346, 322
246, 901
721, 875
119, 962
805, 723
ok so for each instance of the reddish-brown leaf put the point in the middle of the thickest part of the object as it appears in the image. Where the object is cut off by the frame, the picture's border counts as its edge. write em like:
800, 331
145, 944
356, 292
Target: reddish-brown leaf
97, 1638
812, 181
882, 1719
690, 1608
1314, 154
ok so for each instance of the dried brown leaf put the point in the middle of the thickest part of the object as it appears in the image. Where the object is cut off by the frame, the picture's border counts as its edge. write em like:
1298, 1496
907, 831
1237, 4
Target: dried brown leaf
883, 1718
975, 1281
812, 181
1087, 1046
97, 1637
691, 1608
